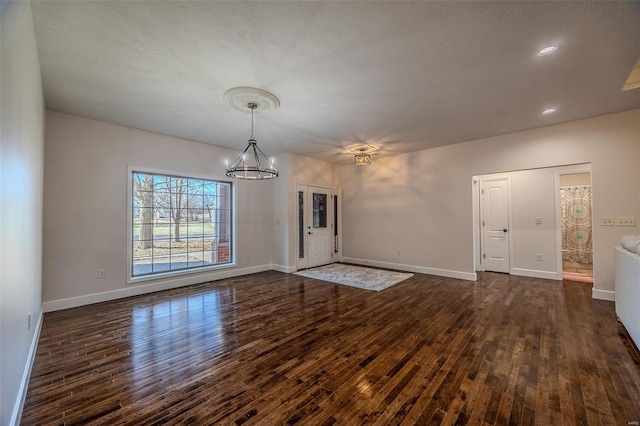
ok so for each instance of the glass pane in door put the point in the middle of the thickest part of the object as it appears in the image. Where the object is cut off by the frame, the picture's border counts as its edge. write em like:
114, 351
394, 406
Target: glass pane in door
319, 210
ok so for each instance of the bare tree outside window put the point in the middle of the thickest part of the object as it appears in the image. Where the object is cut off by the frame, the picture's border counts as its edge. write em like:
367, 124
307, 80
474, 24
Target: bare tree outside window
174, 196
179, 223
143, 200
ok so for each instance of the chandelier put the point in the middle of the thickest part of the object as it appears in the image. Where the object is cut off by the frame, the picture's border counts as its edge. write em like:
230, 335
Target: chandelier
362, 158
252, 164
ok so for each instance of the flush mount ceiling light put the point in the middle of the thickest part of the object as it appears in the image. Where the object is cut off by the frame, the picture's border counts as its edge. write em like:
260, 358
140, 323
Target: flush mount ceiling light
362, 158
548, 111
548, 50
252, 164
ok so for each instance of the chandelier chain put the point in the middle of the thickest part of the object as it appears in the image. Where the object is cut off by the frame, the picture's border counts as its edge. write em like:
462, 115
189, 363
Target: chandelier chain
252, 106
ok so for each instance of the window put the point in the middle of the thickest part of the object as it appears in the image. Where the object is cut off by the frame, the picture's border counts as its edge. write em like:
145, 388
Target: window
179, 223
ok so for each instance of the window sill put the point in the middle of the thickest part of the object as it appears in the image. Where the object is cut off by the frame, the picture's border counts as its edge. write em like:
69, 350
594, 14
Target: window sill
180, 273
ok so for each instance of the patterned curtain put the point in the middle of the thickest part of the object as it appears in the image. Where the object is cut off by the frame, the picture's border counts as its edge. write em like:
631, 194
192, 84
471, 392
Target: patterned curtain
577, 245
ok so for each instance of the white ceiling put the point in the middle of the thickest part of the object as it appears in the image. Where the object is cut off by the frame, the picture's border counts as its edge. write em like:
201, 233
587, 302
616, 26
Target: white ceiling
398, 76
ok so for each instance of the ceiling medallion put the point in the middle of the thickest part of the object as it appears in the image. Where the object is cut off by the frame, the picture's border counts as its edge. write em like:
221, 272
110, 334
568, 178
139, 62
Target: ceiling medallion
240, 98
252, 164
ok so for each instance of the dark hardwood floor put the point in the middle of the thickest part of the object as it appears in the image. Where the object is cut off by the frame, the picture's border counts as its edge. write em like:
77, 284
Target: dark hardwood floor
273, 348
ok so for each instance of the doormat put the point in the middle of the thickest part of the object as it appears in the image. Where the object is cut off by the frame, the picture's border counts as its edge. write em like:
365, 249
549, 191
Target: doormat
356, 276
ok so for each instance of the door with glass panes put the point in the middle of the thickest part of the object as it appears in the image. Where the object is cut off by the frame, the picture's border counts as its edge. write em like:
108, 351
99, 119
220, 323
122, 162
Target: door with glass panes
319, 220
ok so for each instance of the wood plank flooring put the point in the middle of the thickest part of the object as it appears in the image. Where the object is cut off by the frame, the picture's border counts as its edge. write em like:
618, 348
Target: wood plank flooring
274, 348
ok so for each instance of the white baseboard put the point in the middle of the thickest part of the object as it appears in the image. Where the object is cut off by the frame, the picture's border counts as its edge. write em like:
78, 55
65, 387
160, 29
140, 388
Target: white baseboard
534, 273
149, 287
469, 276
282, 268
603, 294
26, 374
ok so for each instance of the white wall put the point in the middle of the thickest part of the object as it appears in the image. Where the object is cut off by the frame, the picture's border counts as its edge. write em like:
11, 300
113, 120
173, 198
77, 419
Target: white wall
280, 246
85, 206
421, 203
21, 153
533, 195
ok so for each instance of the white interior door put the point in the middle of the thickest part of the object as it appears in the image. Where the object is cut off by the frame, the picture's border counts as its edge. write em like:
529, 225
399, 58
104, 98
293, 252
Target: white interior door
494, 207
319, 226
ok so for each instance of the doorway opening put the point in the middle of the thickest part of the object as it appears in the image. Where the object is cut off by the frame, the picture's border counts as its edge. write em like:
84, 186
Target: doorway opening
576, 226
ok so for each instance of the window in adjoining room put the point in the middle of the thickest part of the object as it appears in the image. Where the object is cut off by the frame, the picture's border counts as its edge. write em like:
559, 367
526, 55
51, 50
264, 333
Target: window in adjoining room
179, 224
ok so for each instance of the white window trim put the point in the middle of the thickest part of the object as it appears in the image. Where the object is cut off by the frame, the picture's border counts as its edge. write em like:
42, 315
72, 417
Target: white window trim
183, 272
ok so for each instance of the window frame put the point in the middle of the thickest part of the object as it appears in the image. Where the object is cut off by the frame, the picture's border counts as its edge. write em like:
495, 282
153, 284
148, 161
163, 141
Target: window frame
131, 279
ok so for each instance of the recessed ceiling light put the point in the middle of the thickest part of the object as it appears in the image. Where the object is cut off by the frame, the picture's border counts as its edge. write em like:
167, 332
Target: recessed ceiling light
548, 50
548, 111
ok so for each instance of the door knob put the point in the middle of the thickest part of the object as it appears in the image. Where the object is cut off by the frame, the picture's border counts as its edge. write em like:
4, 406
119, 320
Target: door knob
504, 230
310, 232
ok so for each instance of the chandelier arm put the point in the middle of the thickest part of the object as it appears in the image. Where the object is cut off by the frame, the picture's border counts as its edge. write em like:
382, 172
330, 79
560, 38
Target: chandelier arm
265, 157
257, 158
239, 163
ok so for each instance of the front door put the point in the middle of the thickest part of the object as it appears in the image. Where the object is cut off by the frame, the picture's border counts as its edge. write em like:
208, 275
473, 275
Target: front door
494, 207
318, 226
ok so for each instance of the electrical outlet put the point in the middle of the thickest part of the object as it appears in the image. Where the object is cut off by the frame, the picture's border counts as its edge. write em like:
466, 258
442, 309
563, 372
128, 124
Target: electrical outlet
625, 221
538, 220
399, 252
606, 221
539, 256
247, 254
102, 273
